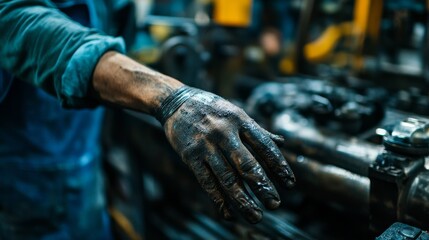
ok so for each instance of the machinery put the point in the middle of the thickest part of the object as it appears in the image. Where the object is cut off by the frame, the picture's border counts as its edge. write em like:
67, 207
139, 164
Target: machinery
357, 131
399, 230
347, 149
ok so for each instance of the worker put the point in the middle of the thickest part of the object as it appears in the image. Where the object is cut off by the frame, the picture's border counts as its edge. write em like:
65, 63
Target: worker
60, 63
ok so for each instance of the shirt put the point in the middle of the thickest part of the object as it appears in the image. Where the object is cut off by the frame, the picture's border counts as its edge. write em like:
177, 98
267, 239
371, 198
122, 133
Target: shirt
49, 176
47, 63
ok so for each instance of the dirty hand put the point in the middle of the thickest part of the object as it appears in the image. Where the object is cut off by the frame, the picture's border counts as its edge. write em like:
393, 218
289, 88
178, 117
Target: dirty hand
216, 140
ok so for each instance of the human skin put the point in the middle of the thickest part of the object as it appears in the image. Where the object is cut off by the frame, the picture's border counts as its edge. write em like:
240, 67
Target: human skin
217, 140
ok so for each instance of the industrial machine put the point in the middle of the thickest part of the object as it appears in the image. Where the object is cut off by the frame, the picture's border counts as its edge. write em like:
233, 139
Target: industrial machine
350, 149
357, 130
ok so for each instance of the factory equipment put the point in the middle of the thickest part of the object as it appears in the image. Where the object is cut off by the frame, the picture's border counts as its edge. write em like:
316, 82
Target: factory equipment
401, 231
350, 149
359, 148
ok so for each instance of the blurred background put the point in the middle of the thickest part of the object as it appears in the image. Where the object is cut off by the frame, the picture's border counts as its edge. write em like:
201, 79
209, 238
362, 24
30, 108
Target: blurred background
345, 81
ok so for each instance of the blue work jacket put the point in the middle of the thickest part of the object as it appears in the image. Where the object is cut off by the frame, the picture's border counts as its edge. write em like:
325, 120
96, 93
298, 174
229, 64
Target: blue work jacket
50, 185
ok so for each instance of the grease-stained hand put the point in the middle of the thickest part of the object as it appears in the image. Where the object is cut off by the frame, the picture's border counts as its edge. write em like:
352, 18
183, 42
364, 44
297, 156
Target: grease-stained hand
216, 140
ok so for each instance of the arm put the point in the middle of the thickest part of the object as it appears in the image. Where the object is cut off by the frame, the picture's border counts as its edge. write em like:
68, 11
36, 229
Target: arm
81, 66
212, 136
120, 81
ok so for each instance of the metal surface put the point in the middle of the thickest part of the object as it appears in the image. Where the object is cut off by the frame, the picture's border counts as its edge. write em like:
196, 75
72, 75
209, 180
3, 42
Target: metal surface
410, 136
330, 183
390, 176
389, 182
182, 58
340, 150
402, 163
417, 201
403, 231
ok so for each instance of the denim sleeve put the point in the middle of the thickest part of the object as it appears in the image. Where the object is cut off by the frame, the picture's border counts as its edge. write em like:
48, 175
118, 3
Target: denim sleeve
44, 47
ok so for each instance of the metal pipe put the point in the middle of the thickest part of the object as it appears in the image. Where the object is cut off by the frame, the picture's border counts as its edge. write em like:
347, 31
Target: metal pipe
342, 151
344, 188
330, 183
416, 204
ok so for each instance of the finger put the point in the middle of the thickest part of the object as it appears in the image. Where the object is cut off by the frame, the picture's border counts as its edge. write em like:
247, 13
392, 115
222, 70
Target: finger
234, 188
279, 140
270, 154
251, 171
209, 183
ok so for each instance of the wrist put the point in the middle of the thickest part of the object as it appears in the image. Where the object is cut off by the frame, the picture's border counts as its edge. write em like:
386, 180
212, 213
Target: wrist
173, 102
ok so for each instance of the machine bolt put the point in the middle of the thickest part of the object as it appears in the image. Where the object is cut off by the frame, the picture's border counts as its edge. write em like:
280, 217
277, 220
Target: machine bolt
393, 170
409, 232
409, 137
413, 131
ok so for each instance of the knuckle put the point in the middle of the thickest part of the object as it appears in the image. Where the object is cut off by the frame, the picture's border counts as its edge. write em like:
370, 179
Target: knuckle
228, 179
238, 115
217, 132
250, 167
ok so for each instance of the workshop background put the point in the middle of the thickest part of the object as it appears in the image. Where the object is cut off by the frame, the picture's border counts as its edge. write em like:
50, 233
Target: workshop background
345, 81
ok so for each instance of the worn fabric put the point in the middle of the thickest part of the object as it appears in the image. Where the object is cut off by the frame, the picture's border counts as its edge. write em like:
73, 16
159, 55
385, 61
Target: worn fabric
46, 202
49, 173
42, 46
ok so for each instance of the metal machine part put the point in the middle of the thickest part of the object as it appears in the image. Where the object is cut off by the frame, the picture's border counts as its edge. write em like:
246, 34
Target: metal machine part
407, 147
348, 153
318, 118
171, 45
182, 58
335, 107
410, 136
411, 100
417, 199
403, 231
330, 183
389, 182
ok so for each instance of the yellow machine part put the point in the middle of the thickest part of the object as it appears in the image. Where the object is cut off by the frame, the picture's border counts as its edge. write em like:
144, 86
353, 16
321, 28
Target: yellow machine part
233, 13
322, 47
367, 17
365, 25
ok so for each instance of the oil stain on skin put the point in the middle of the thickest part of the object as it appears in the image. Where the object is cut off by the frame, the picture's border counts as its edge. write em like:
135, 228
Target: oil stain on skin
212, 135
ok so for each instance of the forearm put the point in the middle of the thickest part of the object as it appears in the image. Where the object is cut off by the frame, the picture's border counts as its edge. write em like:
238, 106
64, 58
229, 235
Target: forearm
121, 81
212, 136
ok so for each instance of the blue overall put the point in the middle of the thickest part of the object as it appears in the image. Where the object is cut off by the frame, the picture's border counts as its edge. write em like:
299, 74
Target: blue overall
50, 180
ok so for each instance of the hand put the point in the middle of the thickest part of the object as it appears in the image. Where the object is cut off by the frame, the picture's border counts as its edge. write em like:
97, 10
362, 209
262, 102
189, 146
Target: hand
216, 140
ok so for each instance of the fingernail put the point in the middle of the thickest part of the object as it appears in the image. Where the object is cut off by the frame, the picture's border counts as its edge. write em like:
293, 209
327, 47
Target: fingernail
254, 216
272, 203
